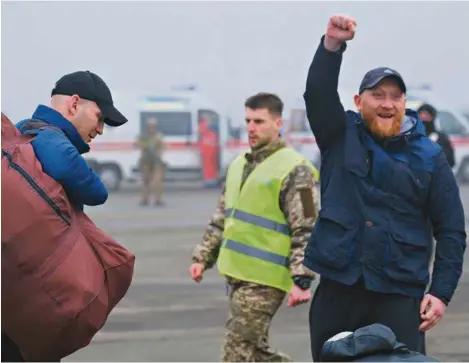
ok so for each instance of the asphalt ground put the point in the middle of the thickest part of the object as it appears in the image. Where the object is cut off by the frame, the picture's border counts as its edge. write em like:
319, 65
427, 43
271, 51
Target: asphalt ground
167, 317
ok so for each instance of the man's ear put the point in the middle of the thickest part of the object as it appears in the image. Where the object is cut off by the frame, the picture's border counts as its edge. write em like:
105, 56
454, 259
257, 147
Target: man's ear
73, 104
358, 101
279, 123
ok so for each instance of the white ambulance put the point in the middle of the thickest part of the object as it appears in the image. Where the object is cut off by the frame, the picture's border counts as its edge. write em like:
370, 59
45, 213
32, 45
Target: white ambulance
297, 131
115, 155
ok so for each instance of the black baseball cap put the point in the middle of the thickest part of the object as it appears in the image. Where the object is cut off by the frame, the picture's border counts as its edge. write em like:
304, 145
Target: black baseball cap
373, 77
91, 87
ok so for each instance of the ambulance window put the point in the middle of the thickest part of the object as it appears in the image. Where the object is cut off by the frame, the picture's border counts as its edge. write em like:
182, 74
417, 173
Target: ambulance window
449, 124
298, 121
169, 123
235, 132
211, 118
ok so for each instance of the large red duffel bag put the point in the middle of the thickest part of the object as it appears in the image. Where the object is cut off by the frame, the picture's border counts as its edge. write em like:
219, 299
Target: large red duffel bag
61, 275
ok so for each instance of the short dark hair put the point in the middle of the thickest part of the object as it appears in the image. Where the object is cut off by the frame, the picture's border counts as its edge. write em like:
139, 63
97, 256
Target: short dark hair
270, 101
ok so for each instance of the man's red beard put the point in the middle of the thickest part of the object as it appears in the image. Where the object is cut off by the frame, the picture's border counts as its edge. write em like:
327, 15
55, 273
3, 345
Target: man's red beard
379, 130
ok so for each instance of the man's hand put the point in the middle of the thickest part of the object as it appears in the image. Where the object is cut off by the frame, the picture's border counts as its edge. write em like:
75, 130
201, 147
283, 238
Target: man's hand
432, 310
298, 296
197, 271
339, 29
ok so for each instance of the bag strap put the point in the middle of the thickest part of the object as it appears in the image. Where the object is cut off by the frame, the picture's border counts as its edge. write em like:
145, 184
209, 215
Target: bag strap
32, 127
29, 131
14, 137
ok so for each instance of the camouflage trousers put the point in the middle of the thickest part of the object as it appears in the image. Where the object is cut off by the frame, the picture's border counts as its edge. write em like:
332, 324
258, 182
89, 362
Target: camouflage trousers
252, 308
152, 177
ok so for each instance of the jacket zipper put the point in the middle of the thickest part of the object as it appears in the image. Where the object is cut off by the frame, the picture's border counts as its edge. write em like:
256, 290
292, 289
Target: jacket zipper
36, 187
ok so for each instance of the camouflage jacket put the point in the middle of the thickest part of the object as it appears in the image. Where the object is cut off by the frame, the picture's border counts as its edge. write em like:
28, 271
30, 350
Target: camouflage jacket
298, 201
151, 147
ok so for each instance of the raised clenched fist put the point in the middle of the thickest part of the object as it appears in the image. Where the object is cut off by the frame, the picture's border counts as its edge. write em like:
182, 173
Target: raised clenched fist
339, 29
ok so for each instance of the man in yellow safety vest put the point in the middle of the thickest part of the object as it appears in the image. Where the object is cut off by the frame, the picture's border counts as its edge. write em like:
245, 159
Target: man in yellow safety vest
259, 231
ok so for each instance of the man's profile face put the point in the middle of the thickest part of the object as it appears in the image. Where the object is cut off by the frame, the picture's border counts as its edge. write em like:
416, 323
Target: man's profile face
86, 117
383, 107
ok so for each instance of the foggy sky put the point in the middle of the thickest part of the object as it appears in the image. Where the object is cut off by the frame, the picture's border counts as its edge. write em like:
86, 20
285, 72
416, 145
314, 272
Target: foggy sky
230, 49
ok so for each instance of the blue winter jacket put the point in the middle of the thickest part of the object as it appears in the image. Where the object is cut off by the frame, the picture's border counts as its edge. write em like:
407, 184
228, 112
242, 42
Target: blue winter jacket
59, 152
380, 201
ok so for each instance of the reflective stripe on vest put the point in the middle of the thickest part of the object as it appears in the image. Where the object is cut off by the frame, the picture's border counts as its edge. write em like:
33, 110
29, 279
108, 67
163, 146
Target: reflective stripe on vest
258, 221
256, 252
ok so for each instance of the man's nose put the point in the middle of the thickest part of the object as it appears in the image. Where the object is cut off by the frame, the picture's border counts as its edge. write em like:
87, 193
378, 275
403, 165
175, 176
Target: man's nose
387, 103
100, 128
251, 126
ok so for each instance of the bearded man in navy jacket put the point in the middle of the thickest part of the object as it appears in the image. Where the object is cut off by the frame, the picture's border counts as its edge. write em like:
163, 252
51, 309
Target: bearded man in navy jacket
386, 188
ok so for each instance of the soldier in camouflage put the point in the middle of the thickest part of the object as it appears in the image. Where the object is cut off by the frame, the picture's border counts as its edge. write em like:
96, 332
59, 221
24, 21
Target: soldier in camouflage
252, 306
152, 166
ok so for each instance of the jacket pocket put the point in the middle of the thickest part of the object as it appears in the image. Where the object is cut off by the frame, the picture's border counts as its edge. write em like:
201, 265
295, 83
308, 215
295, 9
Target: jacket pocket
407, 257
332, 241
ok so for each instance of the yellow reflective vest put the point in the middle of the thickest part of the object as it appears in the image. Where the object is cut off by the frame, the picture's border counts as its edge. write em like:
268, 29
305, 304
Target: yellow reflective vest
256, 239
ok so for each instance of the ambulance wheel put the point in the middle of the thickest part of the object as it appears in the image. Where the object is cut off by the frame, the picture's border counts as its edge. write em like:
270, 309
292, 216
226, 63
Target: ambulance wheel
111, 176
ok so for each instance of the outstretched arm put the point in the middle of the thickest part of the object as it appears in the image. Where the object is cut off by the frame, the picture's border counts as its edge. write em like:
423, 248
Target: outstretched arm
324, 109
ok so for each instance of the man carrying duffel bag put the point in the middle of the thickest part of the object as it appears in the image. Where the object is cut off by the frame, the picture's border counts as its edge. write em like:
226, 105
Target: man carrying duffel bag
61, 275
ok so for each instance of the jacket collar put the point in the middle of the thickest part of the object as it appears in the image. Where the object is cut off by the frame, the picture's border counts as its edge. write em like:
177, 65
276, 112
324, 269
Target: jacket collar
54, 118
261, 154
